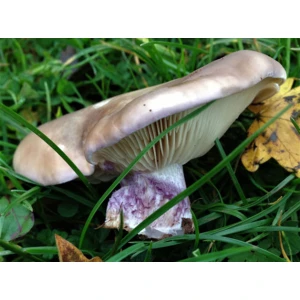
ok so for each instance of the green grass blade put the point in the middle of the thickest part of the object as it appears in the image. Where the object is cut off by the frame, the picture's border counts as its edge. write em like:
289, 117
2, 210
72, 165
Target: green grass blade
209, 218
288, 56
197, 232
274, 229
215, 256
17, 250
243, 227
232, 174
23, 197
75, 196
148, 253
128, 251
290, 211
226, 209
177, 45
33, 251
48, 101
294, 122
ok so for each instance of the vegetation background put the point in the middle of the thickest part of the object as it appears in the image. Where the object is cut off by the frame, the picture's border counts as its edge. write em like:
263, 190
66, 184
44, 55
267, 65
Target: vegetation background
240, 216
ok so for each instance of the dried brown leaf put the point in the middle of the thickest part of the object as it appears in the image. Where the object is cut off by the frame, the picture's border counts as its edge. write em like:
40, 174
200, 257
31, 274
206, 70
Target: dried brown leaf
67, 252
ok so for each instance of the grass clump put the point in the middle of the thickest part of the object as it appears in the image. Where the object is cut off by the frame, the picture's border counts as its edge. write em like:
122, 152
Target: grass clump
239, 216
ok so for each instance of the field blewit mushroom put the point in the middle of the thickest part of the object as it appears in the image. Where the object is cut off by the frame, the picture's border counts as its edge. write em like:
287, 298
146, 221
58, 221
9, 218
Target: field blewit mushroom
104, 138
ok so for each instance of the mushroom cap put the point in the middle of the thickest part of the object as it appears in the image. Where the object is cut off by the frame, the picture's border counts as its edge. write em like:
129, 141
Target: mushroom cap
104, 138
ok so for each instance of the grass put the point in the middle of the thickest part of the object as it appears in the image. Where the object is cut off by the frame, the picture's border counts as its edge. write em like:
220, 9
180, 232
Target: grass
239, 216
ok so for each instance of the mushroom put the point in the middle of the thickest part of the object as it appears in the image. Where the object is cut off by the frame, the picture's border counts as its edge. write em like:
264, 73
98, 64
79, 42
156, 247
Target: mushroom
104, 138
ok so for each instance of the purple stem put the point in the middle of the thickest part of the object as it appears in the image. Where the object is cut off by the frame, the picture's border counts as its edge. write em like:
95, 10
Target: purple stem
143, 193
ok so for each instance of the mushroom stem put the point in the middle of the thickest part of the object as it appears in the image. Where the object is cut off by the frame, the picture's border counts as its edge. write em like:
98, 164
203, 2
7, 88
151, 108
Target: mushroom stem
141, 194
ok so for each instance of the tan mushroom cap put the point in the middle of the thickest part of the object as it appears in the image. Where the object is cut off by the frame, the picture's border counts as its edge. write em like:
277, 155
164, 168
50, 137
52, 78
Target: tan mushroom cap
36, 160
234, 81
111, 133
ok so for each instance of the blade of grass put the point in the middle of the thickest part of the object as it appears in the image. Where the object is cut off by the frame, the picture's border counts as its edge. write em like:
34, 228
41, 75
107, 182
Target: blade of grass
74, 196
232, 174
295, 124
278, 214
48, 101
11, 177
243, 227
24, 196
33, 250
9, 172
227, 210
256, 184
257, 237
240, 44
215, 256
290, 211
148, 253
274, 229
209, 218
288, 56
17, 250
177, 45
211, 50
209, 182
21, 54
8, 145
197, 233
123, 254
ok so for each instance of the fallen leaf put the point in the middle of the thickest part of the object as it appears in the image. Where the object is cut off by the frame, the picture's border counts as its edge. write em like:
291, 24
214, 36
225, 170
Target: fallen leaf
281, 140
15, 219
67, 252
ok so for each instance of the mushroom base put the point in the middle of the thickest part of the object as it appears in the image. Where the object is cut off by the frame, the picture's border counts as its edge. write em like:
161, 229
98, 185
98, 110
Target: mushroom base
141, 194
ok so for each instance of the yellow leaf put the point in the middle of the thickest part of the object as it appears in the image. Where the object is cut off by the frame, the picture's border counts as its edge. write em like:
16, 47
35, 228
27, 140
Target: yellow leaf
279, 141
67, 252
